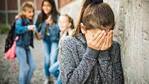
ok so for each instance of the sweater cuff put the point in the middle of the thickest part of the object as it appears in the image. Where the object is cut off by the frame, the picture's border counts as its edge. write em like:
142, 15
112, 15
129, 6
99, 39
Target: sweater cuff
91, 53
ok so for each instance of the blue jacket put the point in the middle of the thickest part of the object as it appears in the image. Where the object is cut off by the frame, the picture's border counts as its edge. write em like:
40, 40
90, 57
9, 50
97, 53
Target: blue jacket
25, 36
51, 33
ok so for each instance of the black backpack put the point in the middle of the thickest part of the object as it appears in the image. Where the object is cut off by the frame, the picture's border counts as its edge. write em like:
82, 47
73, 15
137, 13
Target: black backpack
10, 37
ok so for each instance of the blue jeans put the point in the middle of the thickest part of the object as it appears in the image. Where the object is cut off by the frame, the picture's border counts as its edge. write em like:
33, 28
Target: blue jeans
59, 81
55, 71
26, 64
54, 53
50, 55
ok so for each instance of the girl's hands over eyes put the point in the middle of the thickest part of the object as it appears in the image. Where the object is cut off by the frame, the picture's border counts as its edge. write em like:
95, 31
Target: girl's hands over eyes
100, 41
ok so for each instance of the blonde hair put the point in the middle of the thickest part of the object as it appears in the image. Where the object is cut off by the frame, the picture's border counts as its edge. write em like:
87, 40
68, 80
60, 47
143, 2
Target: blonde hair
25, 5
70, 20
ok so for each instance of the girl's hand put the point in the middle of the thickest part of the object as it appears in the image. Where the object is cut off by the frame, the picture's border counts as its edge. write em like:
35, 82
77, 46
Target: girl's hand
101, 40
38, 35
31, 27
49, 20
96, 41
107, 41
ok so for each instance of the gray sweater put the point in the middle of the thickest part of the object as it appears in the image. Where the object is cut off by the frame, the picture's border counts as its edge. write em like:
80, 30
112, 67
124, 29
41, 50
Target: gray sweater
82, 65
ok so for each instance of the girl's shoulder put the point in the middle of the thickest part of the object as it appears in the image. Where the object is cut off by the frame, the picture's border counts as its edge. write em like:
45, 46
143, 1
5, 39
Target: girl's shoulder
23, 21
116, 45
20, 20
69, 41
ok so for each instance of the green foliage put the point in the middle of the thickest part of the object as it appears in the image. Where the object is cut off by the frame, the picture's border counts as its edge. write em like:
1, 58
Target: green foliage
4, 28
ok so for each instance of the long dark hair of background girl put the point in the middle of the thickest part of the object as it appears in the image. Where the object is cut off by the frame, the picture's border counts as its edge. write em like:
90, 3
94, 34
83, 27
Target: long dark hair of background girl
54, 11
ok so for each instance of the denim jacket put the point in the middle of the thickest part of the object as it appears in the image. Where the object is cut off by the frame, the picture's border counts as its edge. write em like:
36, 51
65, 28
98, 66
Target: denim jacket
51, 33
25, 36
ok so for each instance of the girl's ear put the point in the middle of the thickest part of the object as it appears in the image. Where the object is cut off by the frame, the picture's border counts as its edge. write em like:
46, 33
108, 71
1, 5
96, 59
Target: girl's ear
83, 29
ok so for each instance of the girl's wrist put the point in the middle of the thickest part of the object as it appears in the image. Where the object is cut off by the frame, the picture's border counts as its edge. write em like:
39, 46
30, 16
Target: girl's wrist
92, 53
28, 27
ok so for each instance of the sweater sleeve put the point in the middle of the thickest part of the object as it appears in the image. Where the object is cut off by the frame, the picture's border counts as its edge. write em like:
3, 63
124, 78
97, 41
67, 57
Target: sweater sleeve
110, 65
117, 66
71, 73
20, 29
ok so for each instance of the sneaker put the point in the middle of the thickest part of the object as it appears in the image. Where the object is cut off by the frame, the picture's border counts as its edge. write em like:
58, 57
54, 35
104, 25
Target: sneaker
48, 81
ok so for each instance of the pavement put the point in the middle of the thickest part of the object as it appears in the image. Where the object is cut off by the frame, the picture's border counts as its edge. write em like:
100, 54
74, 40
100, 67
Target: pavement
9, 69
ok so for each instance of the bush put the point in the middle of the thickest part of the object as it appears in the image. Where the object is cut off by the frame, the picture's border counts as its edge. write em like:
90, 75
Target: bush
4, 28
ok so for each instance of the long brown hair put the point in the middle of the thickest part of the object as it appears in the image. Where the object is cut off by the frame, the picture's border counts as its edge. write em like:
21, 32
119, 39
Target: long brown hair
85, 4
98, 15
54, 11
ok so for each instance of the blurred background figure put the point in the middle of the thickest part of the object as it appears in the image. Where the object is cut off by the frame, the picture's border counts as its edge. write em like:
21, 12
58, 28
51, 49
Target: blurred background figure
66, 25
49, 31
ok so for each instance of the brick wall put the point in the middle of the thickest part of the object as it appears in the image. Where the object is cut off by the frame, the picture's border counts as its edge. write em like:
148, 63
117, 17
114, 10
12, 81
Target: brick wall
9, 8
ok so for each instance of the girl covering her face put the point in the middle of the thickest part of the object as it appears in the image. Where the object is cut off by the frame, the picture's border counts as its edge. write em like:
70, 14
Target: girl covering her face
91, 56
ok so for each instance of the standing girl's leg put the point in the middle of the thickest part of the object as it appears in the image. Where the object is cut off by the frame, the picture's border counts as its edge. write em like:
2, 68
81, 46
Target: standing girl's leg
23, 65
54, 52
59, 81
31, 63
54, 69
46, 50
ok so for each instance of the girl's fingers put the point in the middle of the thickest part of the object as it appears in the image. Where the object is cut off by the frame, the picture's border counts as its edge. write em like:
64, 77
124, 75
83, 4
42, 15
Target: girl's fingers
108, 41
100, 40
98, 35
109, 36
94, 42
103, 45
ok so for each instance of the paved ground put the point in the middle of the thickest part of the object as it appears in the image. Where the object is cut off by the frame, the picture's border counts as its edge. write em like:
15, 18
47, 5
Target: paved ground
9, 69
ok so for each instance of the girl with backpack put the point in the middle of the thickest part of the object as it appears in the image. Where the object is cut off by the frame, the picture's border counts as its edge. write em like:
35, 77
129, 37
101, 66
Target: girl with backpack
24, 31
